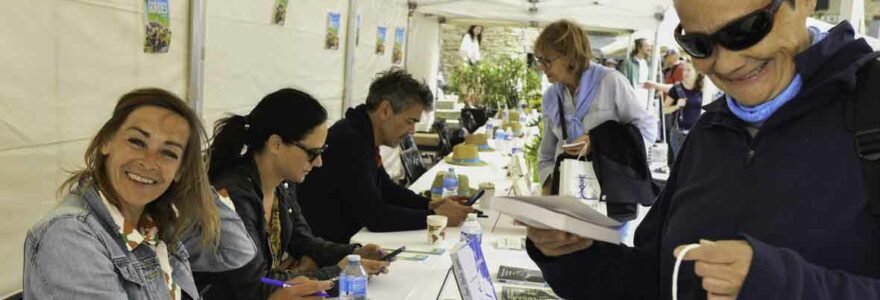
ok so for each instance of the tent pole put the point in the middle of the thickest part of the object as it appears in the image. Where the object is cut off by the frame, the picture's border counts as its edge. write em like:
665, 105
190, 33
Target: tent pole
350, 48
655, 66
196, 64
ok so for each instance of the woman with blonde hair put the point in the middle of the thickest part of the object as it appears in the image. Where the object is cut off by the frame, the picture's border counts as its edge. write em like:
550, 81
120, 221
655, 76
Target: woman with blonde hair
130, 216
582, 96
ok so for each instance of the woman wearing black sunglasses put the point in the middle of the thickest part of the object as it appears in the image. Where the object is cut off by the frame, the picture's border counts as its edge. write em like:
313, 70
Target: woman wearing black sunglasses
770, 184
256, 161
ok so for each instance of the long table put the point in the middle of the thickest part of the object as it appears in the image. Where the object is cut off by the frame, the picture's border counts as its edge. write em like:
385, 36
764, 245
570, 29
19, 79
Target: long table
431, 278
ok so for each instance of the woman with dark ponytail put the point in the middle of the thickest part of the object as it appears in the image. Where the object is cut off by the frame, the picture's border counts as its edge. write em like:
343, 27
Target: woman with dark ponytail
256, 161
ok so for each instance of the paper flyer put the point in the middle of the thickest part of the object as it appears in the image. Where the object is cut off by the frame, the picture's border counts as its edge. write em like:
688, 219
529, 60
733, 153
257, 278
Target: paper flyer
158, 31
397, 52
332, 39
380, 40
279, 13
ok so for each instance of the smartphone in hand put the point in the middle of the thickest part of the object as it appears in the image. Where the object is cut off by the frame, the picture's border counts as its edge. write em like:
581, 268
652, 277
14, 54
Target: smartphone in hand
390, 256
474, 198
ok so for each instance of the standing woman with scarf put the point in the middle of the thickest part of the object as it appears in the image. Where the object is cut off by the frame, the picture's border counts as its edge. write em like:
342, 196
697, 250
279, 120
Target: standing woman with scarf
586, 94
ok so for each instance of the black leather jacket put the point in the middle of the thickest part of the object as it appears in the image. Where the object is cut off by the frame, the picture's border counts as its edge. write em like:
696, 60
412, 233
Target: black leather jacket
242, 184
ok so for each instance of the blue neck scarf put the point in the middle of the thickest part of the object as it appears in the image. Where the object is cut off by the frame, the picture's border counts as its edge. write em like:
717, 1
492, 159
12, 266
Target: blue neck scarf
587, 87
760, 113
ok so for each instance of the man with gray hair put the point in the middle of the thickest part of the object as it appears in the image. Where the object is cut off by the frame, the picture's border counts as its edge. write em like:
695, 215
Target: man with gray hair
776, 185
352, 189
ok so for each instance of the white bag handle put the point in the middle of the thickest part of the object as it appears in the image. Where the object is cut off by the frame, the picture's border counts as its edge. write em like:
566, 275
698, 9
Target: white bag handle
678, 260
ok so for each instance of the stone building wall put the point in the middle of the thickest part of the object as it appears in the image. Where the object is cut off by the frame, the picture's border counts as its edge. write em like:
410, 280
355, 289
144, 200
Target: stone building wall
498, 40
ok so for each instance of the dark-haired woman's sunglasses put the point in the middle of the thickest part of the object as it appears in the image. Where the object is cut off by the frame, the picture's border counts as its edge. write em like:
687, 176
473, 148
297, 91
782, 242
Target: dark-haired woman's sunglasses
737, 35
313, 153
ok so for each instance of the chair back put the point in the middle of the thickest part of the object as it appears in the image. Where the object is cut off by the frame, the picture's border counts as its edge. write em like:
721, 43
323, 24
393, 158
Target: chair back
413, 165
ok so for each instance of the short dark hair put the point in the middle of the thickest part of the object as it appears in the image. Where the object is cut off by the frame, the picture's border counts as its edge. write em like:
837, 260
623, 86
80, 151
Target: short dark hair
401, 90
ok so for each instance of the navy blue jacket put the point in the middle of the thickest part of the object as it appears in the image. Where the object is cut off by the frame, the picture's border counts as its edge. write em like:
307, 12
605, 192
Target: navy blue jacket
794, 191
352, 190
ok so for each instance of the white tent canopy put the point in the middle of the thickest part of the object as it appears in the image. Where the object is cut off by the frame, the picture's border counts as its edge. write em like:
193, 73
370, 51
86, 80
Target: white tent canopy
612, 15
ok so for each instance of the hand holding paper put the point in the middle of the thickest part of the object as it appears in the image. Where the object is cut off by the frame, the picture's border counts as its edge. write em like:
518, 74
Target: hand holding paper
554, 242
580, 146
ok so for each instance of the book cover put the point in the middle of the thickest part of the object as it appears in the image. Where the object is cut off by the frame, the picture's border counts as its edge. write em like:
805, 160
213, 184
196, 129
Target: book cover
522, 276
563, 213
471, 273
524, 293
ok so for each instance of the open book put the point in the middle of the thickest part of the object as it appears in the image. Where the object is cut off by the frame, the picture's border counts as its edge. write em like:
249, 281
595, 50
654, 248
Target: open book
563, 213
470, 271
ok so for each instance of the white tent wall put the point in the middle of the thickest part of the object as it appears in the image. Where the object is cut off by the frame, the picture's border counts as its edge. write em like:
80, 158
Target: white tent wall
423, 56
246, 57
423, 59
374, 13
65, 64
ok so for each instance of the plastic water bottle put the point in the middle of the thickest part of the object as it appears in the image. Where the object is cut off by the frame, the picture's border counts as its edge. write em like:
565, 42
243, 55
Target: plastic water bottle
471, 229
501, 141
489, 132
508, 140
353, 280
450, 183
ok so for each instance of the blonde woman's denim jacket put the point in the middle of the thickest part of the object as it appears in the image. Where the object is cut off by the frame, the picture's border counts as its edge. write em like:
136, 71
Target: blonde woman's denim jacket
75, 252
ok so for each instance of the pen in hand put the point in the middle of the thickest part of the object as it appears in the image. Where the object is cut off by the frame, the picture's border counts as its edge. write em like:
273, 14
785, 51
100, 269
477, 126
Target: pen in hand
283, 284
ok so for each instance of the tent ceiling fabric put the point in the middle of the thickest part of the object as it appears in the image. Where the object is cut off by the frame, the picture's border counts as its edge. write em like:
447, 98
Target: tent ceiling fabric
599, 14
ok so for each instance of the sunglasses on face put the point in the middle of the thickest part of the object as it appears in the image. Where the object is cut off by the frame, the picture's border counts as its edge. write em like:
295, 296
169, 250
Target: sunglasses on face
312, 153
739, 34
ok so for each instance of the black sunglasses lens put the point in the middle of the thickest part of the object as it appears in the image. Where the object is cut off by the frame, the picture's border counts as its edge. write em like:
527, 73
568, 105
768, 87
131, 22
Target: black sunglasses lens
698, 46
746, 32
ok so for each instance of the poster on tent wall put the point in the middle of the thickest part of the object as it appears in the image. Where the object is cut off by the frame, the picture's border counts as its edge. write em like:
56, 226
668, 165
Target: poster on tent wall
380, 40
279, 13
332, 39
397, 52
158, 29
357, 30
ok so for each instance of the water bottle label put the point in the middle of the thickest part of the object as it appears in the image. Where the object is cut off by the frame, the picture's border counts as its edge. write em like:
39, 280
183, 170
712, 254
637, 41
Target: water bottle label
358, 287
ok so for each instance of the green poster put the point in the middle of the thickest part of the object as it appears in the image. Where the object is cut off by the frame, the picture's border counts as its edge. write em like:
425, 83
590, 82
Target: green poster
158, 30
397, 51
332, 39
380, 40
279, 14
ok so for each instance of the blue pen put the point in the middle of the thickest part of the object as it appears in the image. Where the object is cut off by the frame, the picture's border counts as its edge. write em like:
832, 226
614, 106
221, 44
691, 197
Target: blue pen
283, 284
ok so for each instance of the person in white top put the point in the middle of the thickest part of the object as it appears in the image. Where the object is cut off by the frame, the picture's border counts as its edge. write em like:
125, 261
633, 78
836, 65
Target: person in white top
469, 50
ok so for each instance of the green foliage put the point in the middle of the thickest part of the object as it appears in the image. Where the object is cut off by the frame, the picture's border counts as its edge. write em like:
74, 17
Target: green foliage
466, 82
497, 82
532, 89
531, 150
